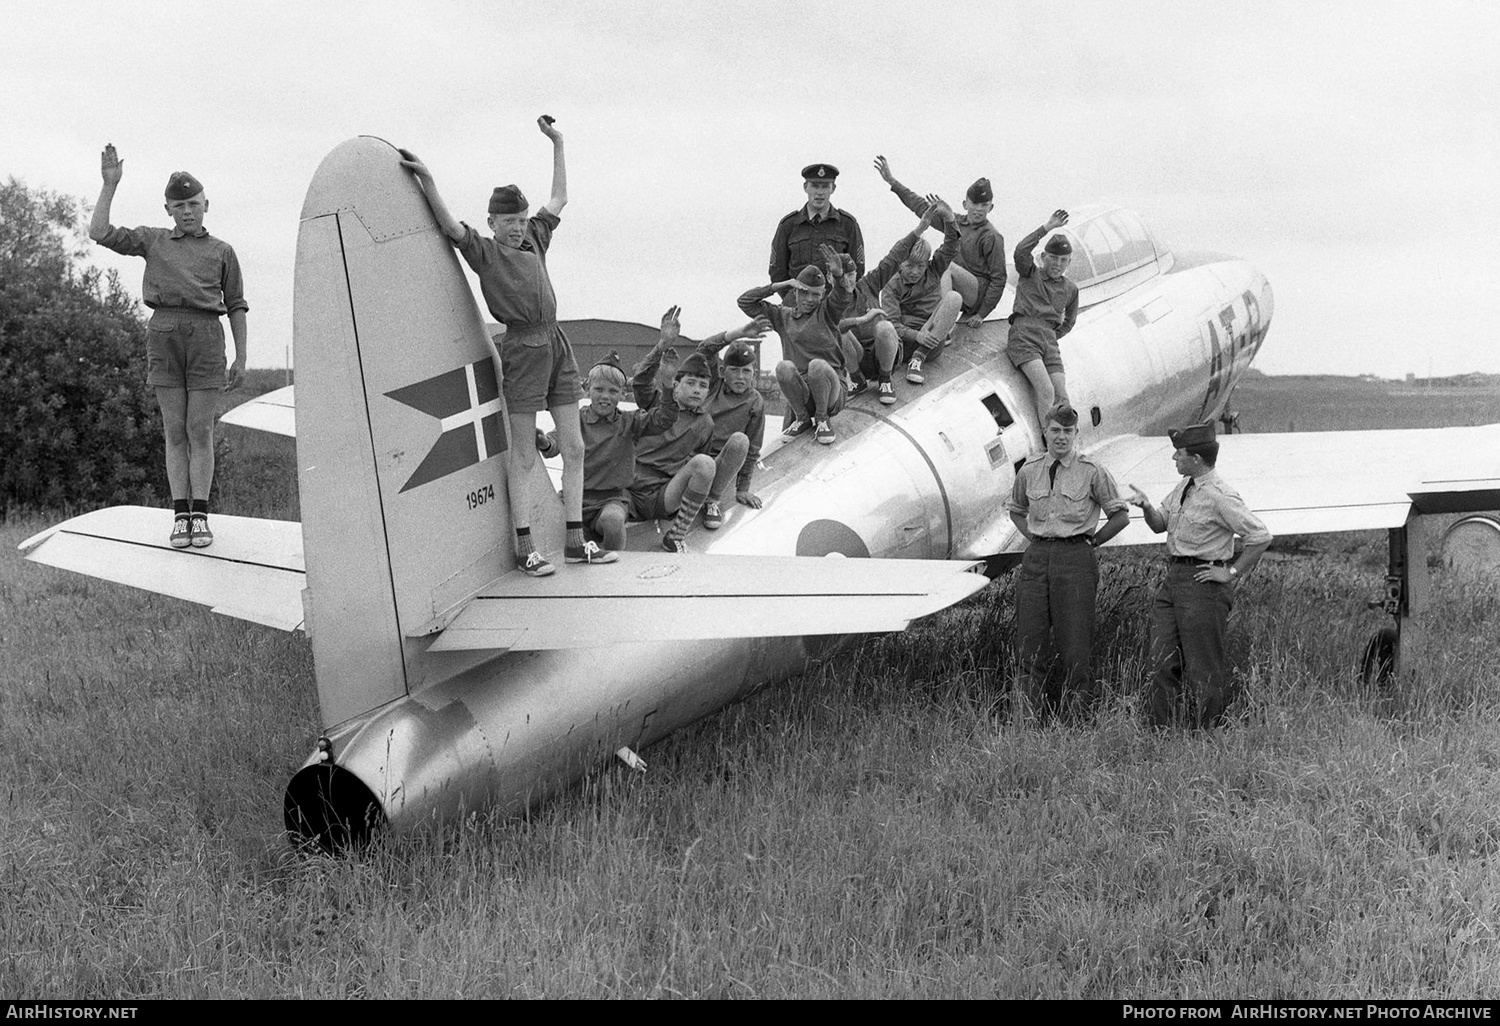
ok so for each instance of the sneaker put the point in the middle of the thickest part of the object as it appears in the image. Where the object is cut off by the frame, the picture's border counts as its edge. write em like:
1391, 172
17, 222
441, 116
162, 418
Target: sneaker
198, 533
887, 393
914, 371
713, 515
588, 552
536, 565
672, 543
797, 427
825, 433
182, 533
858, 387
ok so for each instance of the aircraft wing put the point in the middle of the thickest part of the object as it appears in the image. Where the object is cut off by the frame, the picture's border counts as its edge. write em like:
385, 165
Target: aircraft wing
1327, 481
252, 571
273, 412
680, 597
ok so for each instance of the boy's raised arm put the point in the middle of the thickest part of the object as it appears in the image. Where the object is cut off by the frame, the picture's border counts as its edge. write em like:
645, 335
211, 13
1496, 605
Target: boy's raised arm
445, 219
559, 168
111, 167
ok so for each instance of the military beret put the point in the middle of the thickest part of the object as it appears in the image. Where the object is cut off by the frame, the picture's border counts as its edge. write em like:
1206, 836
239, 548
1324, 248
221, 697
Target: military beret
1063, 414
183, 186
811, 278
1059, 245
819, 173
846, 261
695, 365
1193, 434
980, 191
508, 199
739, 354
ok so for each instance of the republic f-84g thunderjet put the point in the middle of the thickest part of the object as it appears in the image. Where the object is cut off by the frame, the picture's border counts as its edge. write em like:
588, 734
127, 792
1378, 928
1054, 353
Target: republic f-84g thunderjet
449, 680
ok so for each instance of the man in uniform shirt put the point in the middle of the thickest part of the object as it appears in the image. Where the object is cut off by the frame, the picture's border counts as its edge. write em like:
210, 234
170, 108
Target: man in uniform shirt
1201, 517
1055, 503
817, 223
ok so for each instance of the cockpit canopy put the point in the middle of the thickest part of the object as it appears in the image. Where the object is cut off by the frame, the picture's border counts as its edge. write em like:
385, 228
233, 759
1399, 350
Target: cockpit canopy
1113, 252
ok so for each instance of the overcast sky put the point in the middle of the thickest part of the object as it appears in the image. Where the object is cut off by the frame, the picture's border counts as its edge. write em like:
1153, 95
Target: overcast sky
1346, 148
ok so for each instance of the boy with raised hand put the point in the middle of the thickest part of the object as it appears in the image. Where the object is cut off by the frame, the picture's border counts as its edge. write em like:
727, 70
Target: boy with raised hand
1045, 308
539, 369
673, 471
739, 414
921, 308
978, 270
811, 375
191, 280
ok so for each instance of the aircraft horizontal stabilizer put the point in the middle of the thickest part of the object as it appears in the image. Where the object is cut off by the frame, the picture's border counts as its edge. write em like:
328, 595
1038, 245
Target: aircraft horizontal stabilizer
253, 571
1328, 481
273, 412
684, 597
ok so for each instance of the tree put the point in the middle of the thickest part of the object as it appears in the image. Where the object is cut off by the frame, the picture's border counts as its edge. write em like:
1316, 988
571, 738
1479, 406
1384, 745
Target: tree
78, 425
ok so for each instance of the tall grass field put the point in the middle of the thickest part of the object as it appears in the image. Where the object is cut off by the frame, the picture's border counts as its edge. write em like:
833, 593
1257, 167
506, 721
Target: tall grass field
880, 827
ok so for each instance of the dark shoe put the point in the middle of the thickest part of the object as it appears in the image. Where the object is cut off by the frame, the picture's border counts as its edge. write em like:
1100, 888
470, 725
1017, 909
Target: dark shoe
914, 371
887, 393
797, 427
182, 533
825, 433
713, 515
858, 387
198, 533
588, 552
535, 565
672, 543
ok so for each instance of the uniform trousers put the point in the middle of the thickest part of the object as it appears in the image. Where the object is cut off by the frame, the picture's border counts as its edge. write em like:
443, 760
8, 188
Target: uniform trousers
1055, 592
1186, 655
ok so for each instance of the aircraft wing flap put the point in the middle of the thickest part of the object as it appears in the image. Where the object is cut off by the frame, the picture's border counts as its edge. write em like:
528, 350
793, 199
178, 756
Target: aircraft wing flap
253, 571
1328, 481
685, 597
273, 412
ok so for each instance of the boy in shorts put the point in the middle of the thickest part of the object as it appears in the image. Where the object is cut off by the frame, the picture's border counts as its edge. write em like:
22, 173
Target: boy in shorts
739, 414
192, 279
1045, 308
673, 471
538, 367
917, 300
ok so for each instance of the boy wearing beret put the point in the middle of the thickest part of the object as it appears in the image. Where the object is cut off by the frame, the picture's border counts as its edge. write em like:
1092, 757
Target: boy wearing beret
811, 375
921, 308
1046, 306
739, 414
673, 471
978, 270
191, 280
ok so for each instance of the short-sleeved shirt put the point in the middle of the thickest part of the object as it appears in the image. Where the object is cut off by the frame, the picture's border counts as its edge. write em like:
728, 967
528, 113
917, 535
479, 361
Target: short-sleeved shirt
1069, 505
798, 238
514, 281
981, 252
193, 272
1204, 527
804, 337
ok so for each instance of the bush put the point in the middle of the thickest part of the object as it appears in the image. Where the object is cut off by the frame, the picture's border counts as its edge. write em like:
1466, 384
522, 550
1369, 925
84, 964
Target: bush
78, 425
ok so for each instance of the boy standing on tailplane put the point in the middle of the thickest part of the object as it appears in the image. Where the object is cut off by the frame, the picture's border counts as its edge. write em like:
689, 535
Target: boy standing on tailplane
192, 279
537, 362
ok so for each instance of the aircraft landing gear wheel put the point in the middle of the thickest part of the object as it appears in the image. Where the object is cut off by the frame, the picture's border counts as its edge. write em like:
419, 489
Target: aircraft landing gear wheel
1379, 661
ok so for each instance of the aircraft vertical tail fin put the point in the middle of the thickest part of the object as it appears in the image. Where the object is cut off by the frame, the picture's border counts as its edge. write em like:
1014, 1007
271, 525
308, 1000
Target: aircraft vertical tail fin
400, 430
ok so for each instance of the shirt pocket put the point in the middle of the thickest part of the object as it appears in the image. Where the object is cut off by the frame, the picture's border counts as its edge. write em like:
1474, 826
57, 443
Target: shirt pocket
1197, 528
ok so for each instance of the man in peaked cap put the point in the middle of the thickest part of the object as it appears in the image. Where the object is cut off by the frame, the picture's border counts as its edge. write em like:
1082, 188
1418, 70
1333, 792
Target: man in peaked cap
1055, 503
1201, 517
800, 234
191, 280
977, 273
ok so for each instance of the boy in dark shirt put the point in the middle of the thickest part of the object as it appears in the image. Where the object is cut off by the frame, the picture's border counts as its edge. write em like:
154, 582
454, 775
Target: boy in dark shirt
921, 308
1045, 308
539, 370
192, 279
739, 414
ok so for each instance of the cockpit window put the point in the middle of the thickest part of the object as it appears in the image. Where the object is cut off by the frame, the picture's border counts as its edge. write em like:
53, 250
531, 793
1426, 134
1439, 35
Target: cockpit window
1109, 243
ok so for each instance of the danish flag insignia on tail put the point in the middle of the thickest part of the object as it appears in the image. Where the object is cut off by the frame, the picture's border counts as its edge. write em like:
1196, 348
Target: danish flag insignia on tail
466, 403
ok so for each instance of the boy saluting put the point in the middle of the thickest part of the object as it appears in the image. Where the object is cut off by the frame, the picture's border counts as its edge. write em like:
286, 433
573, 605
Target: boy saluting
192, 279
536, 360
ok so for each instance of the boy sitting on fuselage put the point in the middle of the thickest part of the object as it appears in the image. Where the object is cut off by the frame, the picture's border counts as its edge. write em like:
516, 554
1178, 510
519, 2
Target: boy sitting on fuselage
811, 375
1045, 308
739, 414
921, 308
673, 471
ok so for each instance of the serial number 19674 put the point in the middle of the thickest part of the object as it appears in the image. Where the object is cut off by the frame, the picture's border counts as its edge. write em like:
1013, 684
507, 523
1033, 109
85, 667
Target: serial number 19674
481, 496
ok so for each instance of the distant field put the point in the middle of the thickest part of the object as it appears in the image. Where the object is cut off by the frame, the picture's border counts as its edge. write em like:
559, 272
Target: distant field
1295, 403
881, 827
